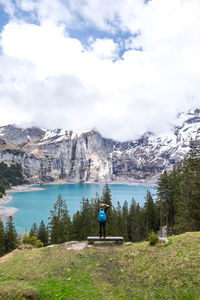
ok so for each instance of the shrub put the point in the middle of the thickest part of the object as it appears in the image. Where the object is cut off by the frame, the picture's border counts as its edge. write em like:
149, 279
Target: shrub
32, 240
39, 244
153, 238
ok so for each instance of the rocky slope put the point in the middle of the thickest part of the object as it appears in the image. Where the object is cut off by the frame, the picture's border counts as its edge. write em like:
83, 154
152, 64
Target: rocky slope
51, 155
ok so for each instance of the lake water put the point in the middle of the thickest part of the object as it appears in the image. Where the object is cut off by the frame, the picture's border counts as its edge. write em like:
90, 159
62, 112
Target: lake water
34, 206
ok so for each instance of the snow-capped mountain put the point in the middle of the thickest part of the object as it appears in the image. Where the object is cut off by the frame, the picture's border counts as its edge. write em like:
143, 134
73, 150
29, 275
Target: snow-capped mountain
49, 155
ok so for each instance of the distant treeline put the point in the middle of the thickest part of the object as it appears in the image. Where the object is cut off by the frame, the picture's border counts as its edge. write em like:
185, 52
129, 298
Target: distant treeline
10, 175
177, 206
133, 223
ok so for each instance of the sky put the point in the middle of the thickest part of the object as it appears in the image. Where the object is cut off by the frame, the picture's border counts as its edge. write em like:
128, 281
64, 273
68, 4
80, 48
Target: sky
121, 67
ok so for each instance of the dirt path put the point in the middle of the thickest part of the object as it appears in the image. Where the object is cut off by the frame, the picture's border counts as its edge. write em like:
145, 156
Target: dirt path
7, 256
73, 245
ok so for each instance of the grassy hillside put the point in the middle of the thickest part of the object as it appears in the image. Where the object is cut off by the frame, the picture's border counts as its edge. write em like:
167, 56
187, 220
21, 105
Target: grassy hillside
136, 271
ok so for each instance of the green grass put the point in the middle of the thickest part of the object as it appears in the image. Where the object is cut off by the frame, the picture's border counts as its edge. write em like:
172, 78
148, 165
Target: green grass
137, 271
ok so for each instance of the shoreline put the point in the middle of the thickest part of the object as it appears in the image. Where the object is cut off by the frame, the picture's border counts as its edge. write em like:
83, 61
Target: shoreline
6, 211
132, 183
24, 188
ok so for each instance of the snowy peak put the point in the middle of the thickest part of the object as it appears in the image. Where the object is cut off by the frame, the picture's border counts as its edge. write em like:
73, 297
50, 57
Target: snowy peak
20, 136
187, 127
86, 156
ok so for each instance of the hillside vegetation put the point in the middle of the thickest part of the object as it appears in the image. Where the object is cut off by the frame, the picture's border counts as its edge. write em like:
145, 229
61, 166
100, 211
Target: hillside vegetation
133, 271
10, 175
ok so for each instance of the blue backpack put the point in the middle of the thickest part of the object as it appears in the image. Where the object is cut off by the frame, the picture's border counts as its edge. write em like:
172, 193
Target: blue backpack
102, 216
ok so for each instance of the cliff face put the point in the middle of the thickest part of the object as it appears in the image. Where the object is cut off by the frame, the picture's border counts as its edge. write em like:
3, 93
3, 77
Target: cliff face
49, 155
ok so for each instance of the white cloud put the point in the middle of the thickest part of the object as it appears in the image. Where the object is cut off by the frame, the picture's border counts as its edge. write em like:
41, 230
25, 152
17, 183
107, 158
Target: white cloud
54, 11
105, 48
8, 6
109, 15
51, 80
45, 46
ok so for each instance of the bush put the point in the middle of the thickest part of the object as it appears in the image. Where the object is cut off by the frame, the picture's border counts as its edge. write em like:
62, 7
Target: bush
39, 244
153, 238
32, 240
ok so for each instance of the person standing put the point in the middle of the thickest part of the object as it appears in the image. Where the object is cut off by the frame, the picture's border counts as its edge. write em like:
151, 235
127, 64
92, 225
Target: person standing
102, 219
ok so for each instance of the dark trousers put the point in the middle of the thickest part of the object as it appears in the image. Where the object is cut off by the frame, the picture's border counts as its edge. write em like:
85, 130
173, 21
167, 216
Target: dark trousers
102, 224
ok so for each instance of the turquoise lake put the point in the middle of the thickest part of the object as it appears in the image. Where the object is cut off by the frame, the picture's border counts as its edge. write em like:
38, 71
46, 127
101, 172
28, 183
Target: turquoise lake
34, 206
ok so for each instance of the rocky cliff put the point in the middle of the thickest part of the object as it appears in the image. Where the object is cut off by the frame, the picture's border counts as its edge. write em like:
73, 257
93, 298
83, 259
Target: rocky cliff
52, 155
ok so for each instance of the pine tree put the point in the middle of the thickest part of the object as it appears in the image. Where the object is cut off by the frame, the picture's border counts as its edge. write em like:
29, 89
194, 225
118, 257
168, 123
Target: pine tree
140, 231
10, 235
179, 194
107, 199
60, 223
65, 226
131, 222
194, 186
2, 239
165, 199
136, 223
76, 226
188, 212
86, 219
43, 233
150, 214
55, 234
94, 212
125, 221
106, 195
34, 230
118, 220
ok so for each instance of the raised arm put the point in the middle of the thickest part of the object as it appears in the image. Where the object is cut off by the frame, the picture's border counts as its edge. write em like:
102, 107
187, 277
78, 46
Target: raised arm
104, 204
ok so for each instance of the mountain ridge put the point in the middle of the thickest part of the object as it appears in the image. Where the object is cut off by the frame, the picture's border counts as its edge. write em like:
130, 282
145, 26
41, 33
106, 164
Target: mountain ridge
51, 155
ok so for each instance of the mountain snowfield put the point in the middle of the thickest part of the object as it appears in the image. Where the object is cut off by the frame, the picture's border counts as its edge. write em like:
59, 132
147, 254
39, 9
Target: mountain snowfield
67, 156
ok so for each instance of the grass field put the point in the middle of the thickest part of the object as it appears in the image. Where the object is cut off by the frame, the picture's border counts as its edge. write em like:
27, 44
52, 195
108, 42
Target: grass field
137, 271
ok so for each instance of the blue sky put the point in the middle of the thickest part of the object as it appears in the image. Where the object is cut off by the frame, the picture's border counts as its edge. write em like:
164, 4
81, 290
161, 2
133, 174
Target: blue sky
4, 18
120, 67
81, 30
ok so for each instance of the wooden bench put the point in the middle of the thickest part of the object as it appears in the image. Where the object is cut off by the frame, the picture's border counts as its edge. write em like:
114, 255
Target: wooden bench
119, 240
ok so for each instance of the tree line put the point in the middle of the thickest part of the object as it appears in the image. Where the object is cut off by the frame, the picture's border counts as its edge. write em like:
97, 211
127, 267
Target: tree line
178, 194
177, 206
10, 175
134, 223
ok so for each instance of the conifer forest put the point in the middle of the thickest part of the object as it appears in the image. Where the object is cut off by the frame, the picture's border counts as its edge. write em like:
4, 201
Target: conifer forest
175, 205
